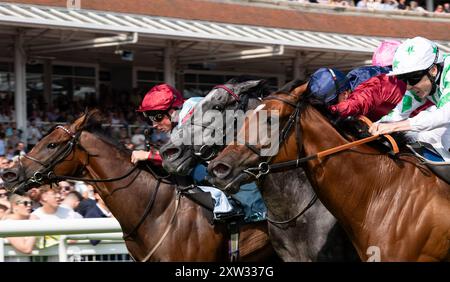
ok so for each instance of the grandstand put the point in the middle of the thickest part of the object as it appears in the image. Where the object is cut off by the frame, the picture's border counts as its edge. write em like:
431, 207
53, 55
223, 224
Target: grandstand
59, 56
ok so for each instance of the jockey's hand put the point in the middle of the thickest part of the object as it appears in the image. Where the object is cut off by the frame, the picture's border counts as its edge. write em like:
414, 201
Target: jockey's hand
139, 156
380, 128
387, 128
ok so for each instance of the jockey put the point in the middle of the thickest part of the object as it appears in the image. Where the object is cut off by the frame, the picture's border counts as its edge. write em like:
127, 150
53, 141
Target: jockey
384, 54
160, 107
420, 64
364, 91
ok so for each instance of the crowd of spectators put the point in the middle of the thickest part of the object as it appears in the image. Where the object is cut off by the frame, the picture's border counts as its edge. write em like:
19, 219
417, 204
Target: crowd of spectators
64, 200
126, 126
381, 5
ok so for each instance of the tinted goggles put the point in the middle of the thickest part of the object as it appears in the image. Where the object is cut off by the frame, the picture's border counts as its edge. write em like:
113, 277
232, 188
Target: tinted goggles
154, 116
412, 78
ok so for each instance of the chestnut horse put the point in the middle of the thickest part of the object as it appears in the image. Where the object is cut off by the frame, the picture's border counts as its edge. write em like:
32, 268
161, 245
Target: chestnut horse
160, 224
300, 227
393, 209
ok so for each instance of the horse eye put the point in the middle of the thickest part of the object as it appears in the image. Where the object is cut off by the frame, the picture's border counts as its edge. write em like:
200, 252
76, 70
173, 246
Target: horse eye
218, 107
52, 145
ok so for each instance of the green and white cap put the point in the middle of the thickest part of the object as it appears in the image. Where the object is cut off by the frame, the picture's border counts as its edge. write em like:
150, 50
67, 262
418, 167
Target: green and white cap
415, 54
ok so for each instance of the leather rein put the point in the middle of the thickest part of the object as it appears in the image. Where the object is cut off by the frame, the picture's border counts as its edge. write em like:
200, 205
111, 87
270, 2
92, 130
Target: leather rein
46, 173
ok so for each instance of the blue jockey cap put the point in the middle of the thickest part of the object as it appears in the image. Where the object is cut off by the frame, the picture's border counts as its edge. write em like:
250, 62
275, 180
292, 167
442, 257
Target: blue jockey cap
325, 84
357, 76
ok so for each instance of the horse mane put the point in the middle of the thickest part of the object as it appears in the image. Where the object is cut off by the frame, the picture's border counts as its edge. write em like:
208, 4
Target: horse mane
261, 90
291, 85
94, 123
350, 126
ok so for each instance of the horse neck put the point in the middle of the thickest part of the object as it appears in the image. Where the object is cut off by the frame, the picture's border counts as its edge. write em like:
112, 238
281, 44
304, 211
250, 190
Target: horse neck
126, 198
338, 178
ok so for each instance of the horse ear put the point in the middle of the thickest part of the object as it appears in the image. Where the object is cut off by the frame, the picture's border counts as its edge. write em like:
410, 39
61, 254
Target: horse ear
245, 86
299, 90
83, 120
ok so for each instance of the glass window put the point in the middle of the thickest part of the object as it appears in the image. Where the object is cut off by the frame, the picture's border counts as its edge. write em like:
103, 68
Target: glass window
62, 70
148, 79
73, 87
84, 71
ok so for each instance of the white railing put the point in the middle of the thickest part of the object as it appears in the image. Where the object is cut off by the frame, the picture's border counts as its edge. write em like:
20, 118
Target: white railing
82, 230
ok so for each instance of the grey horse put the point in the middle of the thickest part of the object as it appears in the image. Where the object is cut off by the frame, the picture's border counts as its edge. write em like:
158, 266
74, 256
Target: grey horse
300, 227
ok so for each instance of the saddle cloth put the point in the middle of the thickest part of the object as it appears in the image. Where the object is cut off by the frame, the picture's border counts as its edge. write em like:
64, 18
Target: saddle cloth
433, 160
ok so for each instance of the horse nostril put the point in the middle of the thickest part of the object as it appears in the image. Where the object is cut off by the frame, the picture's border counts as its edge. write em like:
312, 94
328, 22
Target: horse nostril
221, 170
9, 175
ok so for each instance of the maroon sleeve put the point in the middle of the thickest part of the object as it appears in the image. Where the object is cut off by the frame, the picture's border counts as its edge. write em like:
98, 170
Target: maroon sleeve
155, 157
361, 101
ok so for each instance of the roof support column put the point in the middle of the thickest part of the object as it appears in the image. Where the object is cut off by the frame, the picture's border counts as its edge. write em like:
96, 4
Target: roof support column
430, 5
169, 64
48, 83
20, 96
299, 70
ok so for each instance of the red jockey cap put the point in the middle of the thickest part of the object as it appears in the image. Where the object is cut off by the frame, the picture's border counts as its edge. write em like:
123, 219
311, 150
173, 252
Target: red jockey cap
161, 97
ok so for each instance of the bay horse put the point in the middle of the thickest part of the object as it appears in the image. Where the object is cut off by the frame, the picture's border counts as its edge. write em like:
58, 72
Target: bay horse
393, 209
300, 227
159, 224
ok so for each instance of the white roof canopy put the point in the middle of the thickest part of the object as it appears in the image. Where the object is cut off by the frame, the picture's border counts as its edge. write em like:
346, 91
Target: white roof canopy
171, 28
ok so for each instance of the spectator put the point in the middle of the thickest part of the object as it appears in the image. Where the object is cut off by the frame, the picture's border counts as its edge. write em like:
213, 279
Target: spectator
402, 5
4, 164
447, 7
128, 144
20, 149
388, 5
72, 201
88, 200
35, 195
34, 134
439, 9
3, 211
2, 143
99, 210
414, 6
20, 210
64, 189
10, 153
14, 138
4, 197
50, 208
362, 4
138, 139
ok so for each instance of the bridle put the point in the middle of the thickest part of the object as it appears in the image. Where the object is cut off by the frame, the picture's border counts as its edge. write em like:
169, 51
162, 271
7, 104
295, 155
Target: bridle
46, 171
264, 167
208, 152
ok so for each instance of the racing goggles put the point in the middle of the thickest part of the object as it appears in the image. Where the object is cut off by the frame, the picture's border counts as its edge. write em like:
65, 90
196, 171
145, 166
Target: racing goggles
154, 116
412, 78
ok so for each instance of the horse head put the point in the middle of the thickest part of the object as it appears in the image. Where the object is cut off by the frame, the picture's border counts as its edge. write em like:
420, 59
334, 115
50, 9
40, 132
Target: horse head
58, 153
234, 165
237, 94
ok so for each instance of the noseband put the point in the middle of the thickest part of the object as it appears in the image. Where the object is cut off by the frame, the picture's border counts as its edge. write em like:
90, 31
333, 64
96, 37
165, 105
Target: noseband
264, 167
47, 166
46, 173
